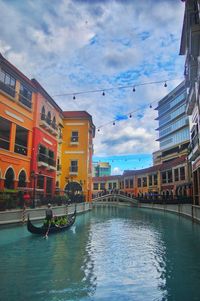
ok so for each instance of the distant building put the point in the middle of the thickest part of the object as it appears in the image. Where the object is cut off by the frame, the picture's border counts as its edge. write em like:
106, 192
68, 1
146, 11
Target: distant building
101, 169
173, 126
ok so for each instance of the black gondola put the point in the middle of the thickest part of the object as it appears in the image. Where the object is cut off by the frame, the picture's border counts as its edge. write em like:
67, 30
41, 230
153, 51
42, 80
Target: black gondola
52, 229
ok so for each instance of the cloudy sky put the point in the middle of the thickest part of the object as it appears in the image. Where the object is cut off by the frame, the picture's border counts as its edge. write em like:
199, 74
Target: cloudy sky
73, 46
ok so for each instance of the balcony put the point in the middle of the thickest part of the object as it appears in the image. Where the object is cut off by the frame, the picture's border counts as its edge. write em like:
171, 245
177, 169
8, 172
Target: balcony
42, 160
73, 170
194, 148
7, 89
47, 124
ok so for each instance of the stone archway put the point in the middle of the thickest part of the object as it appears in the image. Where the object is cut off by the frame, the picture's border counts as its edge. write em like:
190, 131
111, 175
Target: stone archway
74, 191
9, 179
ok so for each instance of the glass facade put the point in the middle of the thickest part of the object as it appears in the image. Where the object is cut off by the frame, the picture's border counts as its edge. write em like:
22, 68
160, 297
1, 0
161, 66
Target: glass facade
173, 121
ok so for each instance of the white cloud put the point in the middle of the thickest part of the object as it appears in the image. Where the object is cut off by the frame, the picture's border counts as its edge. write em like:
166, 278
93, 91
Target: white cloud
72, 46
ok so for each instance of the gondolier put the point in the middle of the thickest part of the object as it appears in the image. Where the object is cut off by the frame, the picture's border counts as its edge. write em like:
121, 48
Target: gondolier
49, 213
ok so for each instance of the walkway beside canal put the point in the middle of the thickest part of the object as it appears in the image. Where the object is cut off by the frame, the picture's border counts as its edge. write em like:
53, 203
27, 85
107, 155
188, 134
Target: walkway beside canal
20, 215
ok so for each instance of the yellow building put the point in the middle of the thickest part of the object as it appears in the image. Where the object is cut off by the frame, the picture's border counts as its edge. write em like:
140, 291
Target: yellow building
77, 149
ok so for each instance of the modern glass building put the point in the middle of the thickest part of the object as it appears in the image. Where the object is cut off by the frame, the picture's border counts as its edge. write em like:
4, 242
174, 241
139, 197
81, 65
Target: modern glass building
173, 122
101, 169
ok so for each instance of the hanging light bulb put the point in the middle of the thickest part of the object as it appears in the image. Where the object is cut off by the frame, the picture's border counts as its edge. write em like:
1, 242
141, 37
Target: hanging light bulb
134, 89
113, 123
74, 97
150, 106
98, 130
165, 85
130, 116
103, 93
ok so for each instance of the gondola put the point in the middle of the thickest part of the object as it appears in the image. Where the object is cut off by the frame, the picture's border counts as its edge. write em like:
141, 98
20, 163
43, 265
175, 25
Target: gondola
52, 229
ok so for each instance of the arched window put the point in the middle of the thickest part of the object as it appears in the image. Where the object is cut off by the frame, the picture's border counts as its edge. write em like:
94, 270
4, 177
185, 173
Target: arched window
43, 113
22, 179
49, 118
54, 122
9, 179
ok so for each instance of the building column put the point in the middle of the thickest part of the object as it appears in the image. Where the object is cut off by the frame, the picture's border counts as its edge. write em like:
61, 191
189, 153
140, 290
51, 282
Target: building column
12, 137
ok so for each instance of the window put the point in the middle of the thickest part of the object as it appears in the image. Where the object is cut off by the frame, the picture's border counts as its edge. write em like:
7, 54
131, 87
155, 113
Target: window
74, 137
95, 186
40, 182
144, 182
48, 120
9, 179
43, 117
5, 126
49, 185
25, 96
42, 154
114, 185
51, 160
102, 186
7, 83
131, 183
54, 123
182, 173
155, 179
164, 177
21, 140
150, 180
74, 166
176, 175
109, 185
22, 179
139, 180
126, 183
169, 176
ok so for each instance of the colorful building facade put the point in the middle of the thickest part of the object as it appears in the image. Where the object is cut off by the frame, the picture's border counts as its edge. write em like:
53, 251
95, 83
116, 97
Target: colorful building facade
17, 98
36, 135
166, 179
77, 150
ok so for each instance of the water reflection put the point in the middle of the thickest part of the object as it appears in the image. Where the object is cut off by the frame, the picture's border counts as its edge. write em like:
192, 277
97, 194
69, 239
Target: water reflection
111, 253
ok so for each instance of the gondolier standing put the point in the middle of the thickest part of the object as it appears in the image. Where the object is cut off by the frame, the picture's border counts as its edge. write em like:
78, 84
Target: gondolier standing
49, 213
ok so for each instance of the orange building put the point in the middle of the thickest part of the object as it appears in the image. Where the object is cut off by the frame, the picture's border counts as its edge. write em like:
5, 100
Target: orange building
77, 150
17, 98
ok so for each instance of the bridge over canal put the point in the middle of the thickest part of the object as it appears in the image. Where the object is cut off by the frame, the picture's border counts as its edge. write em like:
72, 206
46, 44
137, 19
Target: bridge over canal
115, 198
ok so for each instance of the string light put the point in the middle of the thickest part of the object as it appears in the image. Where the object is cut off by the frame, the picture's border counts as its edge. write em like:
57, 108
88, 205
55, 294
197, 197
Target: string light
119, 87
130, 114
74, 97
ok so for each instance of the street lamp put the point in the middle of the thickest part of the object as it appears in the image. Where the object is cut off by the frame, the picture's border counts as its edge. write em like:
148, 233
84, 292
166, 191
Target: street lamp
34, 177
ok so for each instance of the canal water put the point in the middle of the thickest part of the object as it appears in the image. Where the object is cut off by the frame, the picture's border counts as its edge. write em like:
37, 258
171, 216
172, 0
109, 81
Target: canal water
111, 253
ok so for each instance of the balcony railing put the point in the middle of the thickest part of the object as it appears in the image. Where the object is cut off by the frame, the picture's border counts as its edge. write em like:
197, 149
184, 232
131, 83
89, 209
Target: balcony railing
48, 124
20, 149
43, 158
51, 162
8, 89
